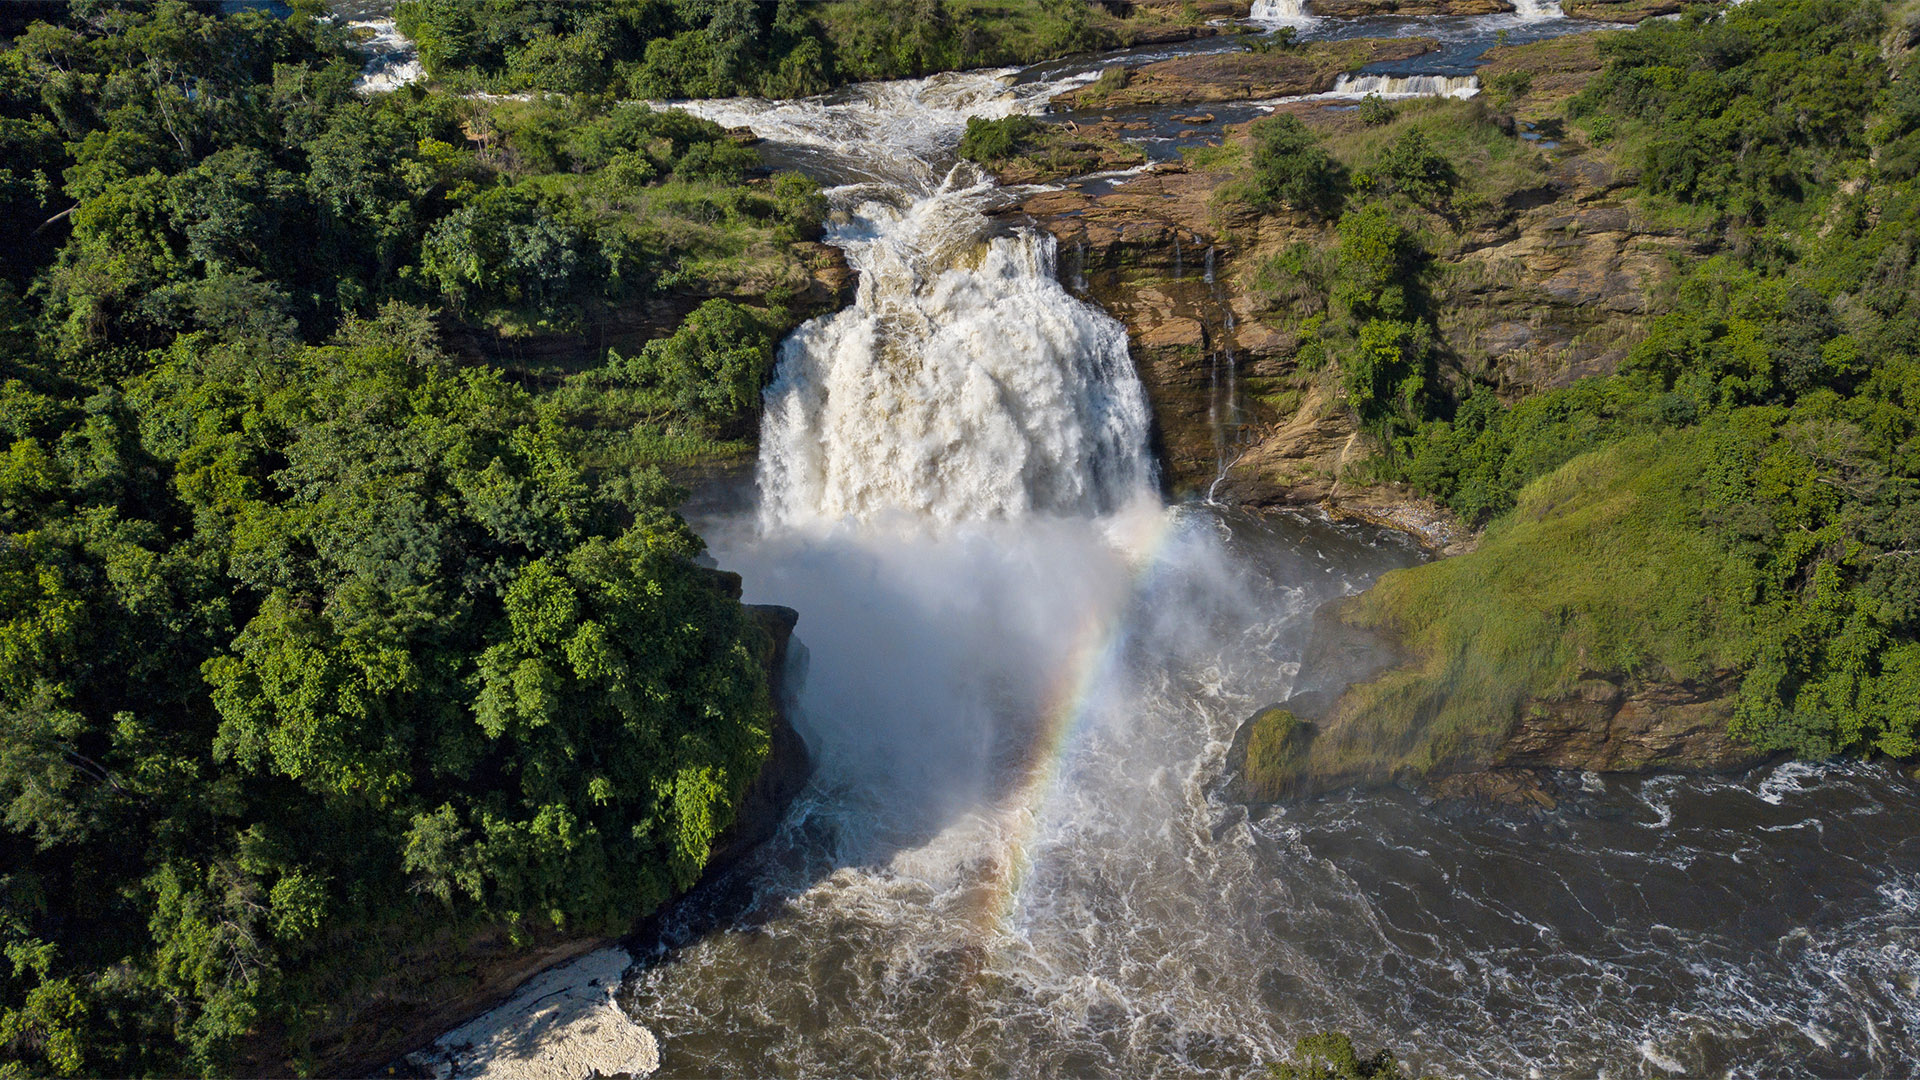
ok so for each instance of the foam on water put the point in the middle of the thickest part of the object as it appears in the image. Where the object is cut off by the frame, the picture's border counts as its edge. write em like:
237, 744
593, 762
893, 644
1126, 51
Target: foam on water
392, 60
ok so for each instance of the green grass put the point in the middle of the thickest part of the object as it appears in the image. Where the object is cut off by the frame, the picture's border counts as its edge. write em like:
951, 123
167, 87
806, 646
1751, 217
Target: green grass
1603, 567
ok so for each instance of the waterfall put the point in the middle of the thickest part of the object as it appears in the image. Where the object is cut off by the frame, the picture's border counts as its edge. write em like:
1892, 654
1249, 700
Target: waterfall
1281, 12
1404, 86
964, 383
1537, 10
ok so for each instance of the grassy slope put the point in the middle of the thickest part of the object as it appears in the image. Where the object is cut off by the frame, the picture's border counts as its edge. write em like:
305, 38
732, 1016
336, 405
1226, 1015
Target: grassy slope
1603, 567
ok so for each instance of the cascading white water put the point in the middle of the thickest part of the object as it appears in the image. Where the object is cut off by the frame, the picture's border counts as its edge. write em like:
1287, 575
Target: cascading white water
891, 132
1281, 13
1404, 86
1537, 10
392, 60
964, 383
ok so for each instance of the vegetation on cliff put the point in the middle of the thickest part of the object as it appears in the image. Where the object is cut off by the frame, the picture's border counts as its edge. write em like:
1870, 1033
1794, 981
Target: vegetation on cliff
1022, 150
322, 650
1743, 493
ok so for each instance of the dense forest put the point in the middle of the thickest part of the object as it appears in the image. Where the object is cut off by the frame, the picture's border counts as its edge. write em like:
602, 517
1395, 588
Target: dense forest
321, 649
1743, 494
661, 49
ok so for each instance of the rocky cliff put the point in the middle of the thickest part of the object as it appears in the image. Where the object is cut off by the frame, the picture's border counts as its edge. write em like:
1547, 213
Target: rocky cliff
1555, 282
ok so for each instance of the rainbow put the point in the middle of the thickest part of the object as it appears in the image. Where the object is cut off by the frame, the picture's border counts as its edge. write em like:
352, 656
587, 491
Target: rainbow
1093, 662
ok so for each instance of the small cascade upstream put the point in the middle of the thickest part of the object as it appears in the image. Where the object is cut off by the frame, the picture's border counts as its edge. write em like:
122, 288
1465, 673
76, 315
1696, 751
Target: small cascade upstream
1404, 86
1282, 13
1537, 10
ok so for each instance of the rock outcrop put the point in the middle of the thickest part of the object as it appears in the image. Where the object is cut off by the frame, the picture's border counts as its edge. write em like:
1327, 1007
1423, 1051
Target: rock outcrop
1239, 76
564, 1024
1613, 723
788, 765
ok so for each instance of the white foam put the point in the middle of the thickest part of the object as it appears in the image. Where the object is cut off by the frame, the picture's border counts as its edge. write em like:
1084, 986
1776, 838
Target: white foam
1394, 87
392, 61
1282, 13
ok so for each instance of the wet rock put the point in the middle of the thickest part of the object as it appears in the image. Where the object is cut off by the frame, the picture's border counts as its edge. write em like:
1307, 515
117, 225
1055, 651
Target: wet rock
788, 764
1267, 761
561, 1025
1497, 787
1619, 11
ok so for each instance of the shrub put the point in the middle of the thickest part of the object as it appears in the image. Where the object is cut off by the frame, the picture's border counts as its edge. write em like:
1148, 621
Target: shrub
1291, 168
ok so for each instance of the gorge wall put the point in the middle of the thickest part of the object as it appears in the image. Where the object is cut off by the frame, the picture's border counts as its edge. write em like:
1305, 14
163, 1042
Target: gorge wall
1556, 283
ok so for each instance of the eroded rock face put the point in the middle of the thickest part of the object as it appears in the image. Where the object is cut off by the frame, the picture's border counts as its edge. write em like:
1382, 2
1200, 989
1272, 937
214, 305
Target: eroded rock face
1617, 724
1619, 11
788, 763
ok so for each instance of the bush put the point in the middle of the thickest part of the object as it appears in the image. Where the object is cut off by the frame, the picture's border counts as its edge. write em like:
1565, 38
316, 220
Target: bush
1292, 169
996, 140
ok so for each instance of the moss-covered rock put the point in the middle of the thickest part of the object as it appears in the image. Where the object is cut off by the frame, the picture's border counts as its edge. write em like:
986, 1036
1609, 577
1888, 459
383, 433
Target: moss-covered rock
1269, 756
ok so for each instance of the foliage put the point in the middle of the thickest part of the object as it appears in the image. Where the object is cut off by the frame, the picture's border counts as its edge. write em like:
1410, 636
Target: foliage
1748, 108
319, 648
1292, 169
1782, 379
993, 140
1330, 1055
665, 49
1374, 111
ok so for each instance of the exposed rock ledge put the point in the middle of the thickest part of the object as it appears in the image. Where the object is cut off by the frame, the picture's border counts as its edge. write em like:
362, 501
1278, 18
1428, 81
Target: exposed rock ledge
1240, 76
1611, 723
564, 1024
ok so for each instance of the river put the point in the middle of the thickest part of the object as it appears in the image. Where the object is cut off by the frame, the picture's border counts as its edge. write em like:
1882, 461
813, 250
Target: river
1022, 674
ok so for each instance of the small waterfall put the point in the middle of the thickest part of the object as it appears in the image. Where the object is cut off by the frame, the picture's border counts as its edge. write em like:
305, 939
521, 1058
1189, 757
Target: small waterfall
392, 61
1403, 86
1281, 13
1537, 10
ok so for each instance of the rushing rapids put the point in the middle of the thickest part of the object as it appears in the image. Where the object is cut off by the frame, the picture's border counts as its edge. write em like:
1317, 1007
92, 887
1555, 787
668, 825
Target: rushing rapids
1024, 674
